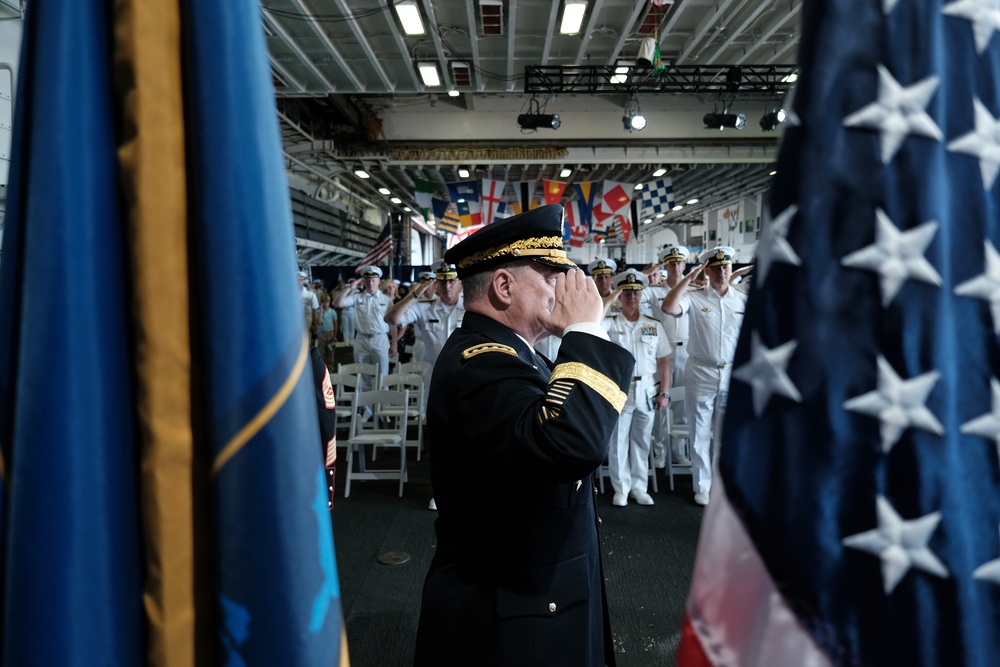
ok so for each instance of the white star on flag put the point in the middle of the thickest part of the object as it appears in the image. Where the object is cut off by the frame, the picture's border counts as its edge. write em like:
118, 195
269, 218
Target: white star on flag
896, 255
986, 286
900, 544
774, 245
983, 142
766, 373
898, 404
984, 16
987, 425
988, 571
897, 112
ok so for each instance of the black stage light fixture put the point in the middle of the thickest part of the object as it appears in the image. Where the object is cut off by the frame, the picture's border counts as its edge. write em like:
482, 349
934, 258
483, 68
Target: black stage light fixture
770, 121
721, 121
633, 120
534, 121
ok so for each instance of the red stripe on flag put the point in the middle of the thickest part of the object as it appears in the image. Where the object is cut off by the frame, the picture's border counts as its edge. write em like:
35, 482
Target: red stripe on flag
691, 654
736, 611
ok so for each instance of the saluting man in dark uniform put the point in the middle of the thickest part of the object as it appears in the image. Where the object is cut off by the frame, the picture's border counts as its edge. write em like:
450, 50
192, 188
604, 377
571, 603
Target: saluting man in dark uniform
517, 576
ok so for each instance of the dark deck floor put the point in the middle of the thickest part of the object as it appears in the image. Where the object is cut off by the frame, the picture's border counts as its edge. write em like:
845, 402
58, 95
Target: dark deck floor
648, 558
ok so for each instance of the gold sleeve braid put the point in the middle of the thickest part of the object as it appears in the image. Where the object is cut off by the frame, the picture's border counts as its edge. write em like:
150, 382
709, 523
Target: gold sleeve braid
599, 382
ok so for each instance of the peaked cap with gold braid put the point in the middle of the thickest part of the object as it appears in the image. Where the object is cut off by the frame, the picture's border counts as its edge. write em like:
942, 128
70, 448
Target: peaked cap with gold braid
535, 235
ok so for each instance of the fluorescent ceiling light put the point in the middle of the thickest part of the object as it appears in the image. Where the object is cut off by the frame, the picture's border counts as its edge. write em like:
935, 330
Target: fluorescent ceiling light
565, 172
772, 173
384, 191
361, 173
396, 200
572, 17
638, 186
452, 93
659, 172
621, 75
463, 173
791, 78
647, 221
660, 215
409, 17
407, 209
677, 207
429, 73
693, 200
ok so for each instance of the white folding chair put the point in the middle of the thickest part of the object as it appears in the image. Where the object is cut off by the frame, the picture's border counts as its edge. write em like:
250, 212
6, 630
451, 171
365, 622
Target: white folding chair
377, 432
414, 367
345, 386
369, 373
413, 383
674, 432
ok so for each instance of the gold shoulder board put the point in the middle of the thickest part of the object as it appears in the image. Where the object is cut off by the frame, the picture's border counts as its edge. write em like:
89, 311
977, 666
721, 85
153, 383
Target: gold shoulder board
488, 347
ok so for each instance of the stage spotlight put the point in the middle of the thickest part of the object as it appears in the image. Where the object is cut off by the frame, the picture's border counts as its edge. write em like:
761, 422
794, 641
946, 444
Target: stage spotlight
634, 123
534, 121
633, 120
769, 121
723, 120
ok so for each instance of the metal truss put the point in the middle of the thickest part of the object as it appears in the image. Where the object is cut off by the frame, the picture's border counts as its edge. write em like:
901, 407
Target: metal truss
622, 77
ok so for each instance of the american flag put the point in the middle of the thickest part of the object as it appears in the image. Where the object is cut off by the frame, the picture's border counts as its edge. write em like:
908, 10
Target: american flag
379, 251
854, 515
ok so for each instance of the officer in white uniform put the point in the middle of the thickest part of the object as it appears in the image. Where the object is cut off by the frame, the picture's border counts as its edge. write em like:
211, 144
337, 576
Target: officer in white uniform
716, 315
674, 260
433, 317
371, 344
310, 303
643, 336
603, 271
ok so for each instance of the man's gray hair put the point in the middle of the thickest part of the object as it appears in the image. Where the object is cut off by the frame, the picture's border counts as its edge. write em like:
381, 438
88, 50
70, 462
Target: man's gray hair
477, 285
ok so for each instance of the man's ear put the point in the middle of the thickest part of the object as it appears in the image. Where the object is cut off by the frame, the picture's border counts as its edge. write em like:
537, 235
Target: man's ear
502, 287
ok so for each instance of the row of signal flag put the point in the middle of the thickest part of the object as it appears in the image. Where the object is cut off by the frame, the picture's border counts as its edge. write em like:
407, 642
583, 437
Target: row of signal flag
596, 210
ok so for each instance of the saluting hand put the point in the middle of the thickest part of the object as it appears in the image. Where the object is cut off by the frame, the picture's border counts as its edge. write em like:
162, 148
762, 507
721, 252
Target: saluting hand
576, 300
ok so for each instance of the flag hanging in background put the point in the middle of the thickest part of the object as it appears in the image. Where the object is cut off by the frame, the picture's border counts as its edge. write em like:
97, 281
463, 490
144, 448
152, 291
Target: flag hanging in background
439, 206
447, 218
465, 196
491, 198
854, 517
381, 249
609, 227
423, 192
525, 192
623, 221
449, 222
578, 228
468, 213
463, 233
658, 196
460, 190
505, 210
586, 195
128, 447
553, 191
615, 196
601, 219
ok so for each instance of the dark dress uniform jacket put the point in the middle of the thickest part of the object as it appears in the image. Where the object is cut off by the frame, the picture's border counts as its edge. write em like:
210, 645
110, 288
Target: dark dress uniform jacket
516, 579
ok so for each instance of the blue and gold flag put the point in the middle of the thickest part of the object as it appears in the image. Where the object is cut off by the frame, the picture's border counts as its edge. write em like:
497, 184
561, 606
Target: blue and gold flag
166, 499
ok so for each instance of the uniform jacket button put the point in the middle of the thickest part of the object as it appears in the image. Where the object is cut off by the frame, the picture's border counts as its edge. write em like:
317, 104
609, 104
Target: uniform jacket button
552, 607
